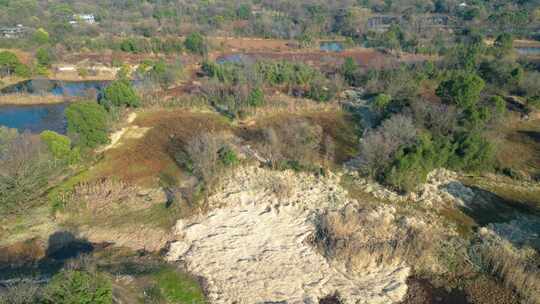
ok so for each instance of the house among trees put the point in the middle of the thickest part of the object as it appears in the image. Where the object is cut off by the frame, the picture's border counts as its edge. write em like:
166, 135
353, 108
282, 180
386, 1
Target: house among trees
13, 31
86, 18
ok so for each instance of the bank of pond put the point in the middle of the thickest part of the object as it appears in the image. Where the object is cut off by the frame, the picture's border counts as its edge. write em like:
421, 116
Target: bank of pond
47, 116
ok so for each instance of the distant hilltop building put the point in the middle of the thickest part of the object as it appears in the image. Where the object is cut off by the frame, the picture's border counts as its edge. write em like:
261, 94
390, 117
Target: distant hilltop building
86, 18
13, 31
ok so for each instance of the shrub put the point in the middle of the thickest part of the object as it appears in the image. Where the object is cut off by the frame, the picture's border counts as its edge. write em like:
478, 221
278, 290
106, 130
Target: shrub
381, 102
87, 122
177, 287
195, 43
378, 147
243, 12
22, 70
44, 57
25, 169
462, 89
40, 36
8, 62
504, 43
412, 164
473, 153
60, 146
321, 90
121, 93
256, 97
164, 74
81, 287
351, 72
227, 156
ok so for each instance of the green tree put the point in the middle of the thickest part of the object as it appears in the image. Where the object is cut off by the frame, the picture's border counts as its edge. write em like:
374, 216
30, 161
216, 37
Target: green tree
22, 70
60, 146
412, 164
44, 57
474, 153
78, 287
504, 43
8, 62
499, 106
256, 97
195, 43
87, 122
40, 36
381, 102
244, 11
462, 89
121, 93
350, 71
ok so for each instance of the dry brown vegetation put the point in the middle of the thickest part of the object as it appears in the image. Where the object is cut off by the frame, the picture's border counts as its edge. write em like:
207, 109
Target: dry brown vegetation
376, 236
334, 126
30, 99
142, 160
517, 268
519, 146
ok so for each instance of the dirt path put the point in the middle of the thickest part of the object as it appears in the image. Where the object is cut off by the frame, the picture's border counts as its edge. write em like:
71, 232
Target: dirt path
130, 131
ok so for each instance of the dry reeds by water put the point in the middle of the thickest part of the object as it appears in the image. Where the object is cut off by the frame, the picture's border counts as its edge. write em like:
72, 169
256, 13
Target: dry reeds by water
22, 99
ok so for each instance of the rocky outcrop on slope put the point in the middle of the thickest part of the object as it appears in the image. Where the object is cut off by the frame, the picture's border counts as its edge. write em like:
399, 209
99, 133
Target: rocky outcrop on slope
253, 248
442, 187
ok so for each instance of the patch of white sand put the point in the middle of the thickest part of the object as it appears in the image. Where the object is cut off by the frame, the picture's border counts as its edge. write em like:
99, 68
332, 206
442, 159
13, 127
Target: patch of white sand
255, 250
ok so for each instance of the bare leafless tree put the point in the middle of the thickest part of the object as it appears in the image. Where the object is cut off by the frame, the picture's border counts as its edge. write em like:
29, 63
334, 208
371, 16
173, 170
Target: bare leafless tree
203, 151
379, 146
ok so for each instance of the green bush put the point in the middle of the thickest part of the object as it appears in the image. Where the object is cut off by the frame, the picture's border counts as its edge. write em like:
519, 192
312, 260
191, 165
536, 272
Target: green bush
44, 57
462, 89
78, 287
22, 70
412, 164
40, 36
321, 90
381, 102
87, 122
227, 156
284, 72
195, 44
227, 72
60, 146
256, 97
473, 153
351, 72
177, 287
121, 93
8, 62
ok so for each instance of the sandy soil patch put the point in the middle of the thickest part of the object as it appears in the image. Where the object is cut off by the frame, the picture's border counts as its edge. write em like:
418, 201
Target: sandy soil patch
255, 248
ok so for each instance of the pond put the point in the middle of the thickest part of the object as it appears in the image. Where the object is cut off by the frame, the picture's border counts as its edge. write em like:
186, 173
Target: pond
332, 46
234, 58
37, 118
528, 51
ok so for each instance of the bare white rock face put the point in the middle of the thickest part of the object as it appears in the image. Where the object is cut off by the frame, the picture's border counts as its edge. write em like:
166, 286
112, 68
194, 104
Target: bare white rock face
254, 250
